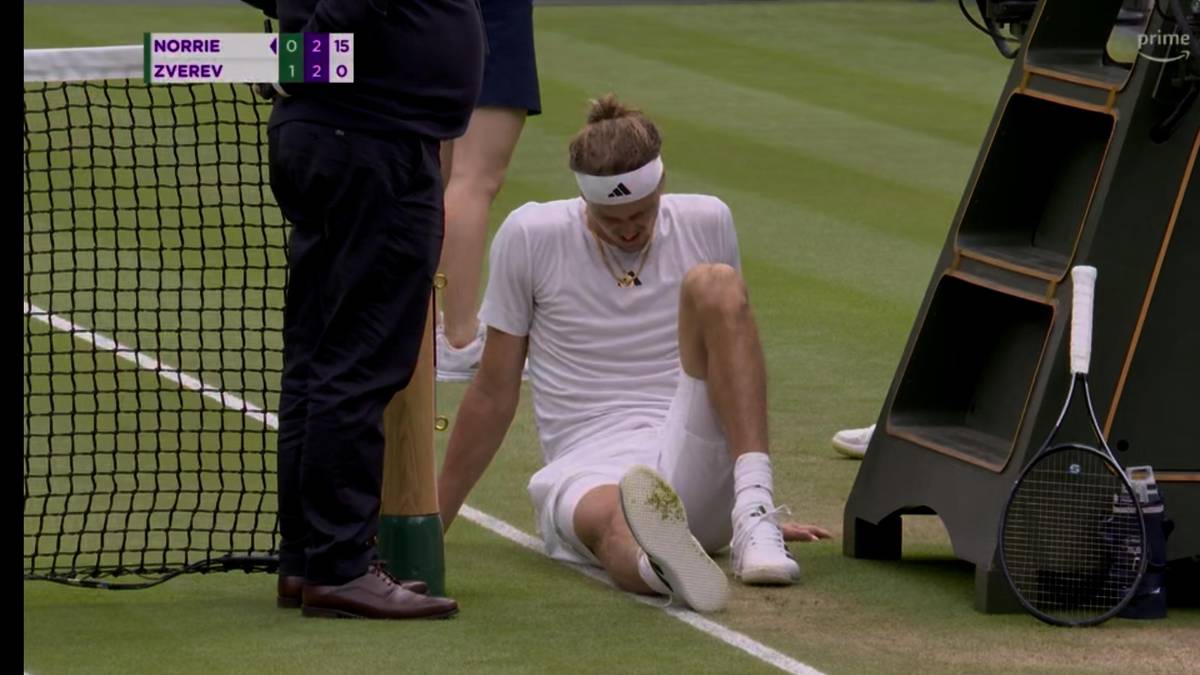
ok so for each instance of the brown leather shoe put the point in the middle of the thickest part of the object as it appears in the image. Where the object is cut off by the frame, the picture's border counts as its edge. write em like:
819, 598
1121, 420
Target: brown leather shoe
289, 588
374, 595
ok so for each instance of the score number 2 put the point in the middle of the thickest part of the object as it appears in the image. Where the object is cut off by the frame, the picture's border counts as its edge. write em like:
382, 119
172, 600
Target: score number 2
316, 49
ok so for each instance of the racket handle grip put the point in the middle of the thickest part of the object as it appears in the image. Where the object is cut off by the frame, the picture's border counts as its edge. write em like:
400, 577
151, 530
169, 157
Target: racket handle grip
1083, 286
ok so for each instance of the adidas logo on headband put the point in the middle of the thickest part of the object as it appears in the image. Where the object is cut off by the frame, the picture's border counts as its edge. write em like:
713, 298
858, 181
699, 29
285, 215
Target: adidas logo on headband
631, 186
619, 191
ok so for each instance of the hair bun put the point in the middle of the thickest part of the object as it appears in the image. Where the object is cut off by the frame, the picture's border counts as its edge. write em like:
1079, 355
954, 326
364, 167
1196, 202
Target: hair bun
617, 138
608, 107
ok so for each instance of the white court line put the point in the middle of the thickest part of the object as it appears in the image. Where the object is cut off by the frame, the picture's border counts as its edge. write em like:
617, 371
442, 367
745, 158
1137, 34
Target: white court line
730, 637
490, 523
148, 362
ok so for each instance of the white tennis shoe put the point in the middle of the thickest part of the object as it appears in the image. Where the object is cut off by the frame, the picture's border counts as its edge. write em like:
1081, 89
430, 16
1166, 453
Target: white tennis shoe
760, 555
458, 365
657, 519
853, 442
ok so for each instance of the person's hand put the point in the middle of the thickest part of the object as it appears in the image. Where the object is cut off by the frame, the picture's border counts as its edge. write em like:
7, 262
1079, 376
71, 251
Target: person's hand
799, 532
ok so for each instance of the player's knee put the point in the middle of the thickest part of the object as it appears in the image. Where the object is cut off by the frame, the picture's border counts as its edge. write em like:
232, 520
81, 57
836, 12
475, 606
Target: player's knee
479, 181
489, 184
716, 290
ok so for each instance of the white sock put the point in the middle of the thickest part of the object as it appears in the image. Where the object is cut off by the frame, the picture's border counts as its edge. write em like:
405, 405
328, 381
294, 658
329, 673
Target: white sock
753, 485
646, 572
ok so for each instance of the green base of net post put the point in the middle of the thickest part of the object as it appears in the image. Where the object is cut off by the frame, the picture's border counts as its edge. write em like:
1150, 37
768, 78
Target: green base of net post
412, 548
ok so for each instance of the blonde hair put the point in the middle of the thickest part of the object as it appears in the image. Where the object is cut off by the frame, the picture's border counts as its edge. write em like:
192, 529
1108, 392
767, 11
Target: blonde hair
616, 139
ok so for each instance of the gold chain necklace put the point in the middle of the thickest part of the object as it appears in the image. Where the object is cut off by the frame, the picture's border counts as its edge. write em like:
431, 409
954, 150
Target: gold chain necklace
631, 277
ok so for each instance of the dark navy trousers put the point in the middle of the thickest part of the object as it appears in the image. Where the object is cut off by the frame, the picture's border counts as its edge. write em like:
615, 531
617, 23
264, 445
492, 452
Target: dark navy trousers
366, 215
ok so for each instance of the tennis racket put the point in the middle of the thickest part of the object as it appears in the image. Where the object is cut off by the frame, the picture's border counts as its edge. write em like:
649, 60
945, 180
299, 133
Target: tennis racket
1072, 539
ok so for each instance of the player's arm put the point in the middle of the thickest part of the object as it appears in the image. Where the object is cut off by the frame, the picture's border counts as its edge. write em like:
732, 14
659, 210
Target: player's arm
484, 417
727, 249
491, 401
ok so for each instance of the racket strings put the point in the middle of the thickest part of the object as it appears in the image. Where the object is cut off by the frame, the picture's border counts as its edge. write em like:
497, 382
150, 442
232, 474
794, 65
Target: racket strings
1072, 539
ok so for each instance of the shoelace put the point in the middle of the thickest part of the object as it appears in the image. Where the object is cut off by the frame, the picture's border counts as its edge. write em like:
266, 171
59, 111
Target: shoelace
379, 569
748, 535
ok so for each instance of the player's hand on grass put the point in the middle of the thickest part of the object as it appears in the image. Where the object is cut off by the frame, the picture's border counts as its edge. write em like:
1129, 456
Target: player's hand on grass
799, 532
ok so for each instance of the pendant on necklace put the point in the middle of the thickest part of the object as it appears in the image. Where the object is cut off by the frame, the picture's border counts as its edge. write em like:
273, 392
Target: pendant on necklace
630, 279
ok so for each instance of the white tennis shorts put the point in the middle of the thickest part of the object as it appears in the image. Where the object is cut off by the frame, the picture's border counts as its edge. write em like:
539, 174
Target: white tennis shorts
689, 450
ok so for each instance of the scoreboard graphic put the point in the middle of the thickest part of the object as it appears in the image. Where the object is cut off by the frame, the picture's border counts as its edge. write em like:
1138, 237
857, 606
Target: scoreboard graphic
188, 58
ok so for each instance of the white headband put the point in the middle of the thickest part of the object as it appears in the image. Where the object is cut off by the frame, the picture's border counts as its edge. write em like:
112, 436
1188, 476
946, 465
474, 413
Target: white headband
621, 188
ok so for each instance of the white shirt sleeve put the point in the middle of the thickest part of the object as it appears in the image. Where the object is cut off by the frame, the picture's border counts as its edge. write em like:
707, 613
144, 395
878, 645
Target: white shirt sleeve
728, 251
508, 300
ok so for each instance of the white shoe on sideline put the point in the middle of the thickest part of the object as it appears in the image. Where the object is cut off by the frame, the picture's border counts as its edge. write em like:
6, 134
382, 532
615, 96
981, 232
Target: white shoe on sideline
760, 555
458, 365
853, 442
659, 524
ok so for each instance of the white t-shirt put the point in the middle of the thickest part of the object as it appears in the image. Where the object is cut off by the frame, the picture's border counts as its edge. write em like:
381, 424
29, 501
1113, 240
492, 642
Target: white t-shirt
602, 359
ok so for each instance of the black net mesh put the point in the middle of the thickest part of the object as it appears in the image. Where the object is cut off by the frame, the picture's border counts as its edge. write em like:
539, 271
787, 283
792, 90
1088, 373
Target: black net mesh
155, 266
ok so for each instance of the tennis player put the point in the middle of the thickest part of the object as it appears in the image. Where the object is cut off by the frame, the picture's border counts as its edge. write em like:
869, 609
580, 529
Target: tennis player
647, 372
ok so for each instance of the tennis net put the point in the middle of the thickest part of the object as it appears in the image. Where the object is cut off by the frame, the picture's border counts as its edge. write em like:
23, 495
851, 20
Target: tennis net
154, 271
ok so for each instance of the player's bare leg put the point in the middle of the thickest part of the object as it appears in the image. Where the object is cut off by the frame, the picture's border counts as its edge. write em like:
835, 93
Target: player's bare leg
663, 557
474, 168
719, 343
600, 526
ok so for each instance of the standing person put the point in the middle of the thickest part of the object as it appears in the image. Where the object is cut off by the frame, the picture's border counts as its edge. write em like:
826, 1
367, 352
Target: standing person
355, 169
648, 377
474, 167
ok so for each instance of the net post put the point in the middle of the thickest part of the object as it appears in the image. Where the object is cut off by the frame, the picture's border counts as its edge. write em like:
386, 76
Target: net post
146, 78
410, 527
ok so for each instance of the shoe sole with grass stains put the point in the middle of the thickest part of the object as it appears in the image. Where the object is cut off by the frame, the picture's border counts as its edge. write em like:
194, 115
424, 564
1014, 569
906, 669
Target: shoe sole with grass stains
657, 519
